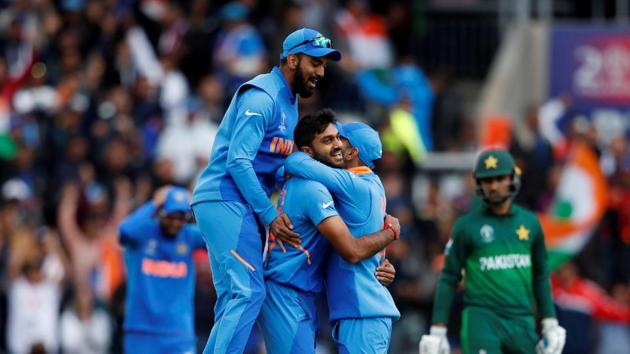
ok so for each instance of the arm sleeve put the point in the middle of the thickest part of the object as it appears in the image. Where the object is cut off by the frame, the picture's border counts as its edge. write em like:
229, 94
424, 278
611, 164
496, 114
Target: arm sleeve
542, 283
132, 228
248, 134
338, 181
456, 253
319, 205
196, 238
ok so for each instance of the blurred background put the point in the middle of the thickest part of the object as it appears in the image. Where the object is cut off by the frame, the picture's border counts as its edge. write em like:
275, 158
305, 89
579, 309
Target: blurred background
103, 101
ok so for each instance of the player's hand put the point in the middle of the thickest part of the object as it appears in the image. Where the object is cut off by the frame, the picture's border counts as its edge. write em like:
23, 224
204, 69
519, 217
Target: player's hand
385, 272
435, 342
282, 228
553, 337
395, 224
160, 196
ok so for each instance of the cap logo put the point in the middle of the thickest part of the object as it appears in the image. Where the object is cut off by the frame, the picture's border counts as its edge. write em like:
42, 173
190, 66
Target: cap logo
491, 162
180, 197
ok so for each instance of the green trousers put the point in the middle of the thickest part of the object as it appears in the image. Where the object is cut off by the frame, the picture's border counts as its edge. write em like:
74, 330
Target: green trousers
486, 332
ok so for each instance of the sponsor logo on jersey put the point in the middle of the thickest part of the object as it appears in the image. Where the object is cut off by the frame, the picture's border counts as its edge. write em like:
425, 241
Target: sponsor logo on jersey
281, 146
505, 261
249, 113
487, 233
326, 205
164, 269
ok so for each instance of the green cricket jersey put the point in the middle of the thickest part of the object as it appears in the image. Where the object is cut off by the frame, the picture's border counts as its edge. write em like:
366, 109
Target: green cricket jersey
504, 263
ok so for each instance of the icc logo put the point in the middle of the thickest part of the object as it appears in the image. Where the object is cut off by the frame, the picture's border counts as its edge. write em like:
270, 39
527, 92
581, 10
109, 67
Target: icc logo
487, 233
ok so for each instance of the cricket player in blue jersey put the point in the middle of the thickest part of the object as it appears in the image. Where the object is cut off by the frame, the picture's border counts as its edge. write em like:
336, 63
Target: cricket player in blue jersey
231, 200
294, 274
158, 243
360, 308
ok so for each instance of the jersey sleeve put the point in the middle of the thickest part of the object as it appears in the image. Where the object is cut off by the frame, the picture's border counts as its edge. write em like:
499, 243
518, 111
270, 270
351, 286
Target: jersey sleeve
338, 181
318, 204
456, 253
542, 283
196, 238
254, 115
133, 228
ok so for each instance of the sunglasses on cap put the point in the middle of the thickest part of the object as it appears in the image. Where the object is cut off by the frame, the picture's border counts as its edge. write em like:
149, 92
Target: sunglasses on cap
320, 41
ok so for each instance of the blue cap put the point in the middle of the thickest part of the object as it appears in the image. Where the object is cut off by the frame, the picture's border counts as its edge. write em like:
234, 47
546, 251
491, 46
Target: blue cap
364, 138
177, 200
309, 42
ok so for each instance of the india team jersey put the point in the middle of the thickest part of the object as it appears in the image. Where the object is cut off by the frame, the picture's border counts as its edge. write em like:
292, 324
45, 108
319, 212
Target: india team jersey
254, 138
307, 203
160, 275
352, 289
504, 261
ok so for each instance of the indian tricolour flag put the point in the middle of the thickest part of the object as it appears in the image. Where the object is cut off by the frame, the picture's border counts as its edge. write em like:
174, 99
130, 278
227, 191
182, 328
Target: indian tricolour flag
578, 206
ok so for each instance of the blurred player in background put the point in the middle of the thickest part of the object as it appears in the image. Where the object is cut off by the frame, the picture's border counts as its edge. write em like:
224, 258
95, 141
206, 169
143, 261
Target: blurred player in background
360, 308
159, 244
231, 200
500, 249
294, 274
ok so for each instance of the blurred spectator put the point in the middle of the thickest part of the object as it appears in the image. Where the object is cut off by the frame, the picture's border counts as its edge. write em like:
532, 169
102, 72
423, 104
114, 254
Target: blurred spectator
187, 145
239, 53
90, 234
34, 294
85, 328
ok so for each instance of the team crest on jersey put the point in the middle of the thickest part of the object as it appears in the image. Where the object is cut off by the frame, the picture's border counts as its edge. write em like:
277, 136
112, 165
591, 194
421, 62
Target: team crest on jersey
283, 126
151, 247
181, 248
487, 233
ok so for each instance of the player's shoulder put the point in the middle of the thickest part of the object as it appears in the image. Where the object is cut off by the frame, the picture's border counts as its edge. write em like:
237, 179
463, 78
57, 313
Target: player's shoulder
252, 94
524, 213
305, 187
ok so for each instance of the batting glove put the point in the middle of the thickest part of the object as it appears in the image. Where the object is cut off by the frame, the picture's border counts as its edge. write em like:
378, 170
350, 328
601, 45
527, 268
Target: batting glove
553, 337
435, 342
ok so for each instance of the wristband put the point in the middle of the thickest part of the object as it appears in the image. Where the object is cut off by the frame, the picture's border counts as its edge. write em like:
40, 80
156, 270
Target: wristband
389, 226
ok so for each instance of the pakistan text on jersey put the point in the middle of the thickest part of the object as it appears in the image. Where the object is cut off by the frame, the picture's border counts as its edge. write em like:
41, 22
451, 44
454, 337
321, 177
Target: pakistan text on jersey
164, 269
507, 261
281, 146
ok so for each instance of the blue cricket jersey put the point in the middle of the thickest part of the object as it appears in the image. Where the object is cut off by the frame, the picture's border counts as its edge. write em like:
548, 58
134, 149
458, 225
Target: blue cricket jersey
352, 289
160, 275
252, 142
307, 203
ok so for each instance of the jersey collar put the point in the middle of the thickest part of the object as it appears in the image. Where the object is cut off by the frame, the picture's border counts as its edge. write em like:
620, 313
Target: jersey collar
361, 170
292, 96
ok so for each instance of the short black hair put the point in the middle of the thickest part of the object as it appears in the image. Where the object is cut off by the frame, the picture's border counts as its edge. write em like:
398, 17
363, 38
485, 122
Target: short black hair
311, 125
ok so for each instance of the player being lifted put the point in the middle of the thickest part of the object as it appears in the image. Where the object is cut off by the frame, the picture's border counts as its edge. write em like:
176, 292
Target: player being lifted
500, 249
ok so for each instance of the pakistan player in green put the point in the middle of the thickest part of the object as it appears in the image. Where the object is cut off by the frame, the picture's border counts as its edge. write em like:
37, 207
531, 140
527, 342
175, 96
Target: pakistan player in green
499, 250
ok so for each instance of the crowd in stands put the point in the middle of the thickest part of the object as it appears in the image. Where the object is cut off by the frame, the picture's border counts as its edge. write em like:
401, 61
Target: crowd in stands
104, 101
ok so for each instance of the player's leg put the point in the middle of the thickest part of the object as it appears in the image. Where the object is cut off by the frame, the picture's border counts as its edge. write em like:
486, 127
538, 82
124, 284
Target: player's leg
233, 237
520, 335
480, 331
288, 320
363, 336
221, 287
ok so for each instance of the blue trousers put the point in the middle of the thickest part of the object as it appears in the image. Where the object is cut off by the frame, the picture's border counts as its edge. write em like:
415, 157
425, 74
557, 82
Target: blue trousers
150, 343
233, 236
363, 335
288, 320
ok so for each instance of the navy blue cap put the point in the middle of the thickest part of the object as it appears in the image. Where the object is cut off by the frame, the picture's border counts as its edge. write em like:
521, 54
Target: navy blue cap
177, 200
309, 42
365, 139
